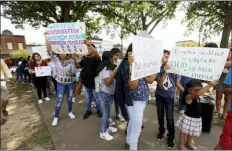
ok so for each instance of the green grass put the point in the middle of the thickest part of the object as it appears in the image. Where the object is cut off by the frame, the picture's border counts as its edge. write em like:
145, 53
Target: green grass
40, 140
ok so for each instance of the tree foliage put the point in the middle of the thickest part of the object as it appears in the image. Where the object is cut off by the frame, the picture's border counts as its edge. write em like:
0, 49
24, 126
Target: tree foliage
134, 16
15, 54
210, 17
42, 13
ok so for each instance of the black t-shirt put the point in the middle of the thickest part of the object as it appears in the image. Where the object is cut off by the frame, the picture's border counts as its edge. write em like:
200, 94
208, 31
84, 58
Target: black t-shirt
194, 109
89, 67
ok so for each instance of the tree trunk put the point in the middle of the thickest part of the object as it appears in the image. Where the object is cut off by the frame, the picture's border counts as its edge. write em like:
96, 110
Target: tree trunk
65, 9
226, 29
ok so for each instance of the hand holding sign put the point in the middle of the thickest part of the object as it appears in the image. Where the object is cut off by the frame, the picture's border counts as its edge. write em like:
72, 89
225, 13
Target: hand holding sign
166, 67
214, 82
131, 58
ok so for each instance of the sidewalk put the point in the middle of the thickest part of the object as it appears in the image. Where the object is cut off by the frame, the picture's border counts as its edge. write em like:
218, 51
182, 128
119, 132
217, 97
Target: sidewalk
79, 134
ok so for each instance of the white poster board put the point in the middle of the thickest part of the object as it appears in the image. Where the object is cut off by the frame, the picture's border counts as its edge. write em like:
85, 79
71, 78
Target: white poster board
42, 50
198, 63
67, 38
105, 46
42, 71
148, 54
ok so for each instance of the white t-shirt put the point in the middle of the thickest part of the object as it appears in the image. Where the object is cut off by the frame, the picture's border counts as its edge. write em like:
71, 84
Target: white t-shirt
19, 63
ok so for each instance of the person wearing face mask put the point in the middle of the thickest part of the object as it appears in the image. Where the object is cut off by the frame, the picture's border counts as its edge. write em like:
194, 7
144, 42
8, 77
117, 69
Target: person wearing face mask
40, 82
115, 55
106, 71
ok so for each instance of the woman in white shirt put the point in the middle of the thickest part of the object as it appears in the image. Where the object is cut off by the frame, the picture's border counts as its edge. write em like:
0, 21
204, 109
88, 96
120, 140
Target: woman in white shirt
106, 71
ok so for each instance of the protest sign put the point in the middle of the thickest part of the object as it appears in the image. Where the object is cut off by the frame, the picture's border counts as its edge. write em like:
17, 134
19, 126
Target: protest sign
104, 46
67, 38
198, 63
42, 50
42, 71
148, 55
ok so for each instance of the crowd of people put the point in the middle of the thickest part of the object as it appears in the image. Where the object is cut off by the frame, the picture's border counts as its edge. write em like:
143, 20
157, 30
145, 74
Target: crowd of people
105, 80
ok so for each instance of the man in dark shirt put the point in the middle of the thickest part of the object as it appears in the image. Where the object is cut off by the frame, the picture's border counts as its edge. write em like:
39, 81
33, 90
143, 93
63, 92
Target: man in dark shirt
165, 93
89, 65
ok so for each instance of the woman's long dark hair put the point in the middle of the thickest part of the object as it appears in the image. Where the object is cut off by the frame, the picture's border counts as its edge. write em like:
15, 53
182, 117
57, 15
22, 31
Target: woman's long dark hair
33, 56
191, 84
129, 49
106, 62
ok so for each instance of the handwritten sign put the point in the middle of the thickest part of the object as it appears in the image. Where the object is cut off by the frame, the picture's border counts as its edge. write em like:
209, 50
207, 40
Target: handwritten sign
148, 55
198, 63
43, 71
67, 38
42, 50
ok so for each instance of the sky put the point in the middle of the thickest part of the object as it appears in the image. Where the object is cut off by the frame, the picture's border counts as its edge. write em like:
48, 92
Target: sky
174, 31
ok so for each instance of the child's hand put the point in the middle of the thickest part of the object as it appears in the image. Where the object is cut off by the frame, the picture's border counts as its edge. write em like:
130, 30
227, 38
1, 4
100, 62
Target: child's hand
213, 83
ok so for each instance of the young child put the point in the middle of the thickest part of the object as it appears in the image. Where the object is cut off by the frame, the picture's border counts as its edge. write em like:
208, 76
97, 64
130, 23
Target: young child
190, 122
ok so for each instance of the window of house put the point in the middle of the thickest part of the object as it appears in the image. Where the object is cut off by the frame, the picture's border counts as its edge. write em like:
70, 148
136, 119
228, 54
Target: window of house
9, 45
20, 45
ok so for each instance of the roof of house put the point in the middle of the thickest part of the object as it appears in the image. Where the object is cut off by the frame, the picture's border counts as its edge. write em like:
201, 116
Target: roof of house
8, 33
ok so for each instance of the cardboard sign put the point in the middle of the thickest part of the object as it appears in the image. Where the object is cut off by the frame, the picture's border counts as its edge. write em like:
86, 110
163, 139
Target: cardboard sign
148, 54
42, 50
42, 71
198, 63
104, 46
67, 38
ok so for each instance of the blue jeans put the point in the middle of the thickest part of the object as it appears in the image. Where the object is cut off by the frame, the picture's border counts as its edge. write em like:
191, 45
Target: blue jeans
116, 105
135, 123
19, 75
89, 95
106, 101
61, 89
166, 104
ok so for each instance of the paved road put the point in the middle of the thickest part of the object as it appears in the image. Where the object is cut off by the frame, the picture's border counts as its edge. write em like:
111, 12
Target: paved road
79, 134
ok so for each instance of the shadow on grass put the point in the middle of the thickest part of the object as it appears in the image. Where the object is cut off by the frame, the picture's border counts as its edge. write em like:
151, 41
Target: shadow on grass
25, 129
40, 140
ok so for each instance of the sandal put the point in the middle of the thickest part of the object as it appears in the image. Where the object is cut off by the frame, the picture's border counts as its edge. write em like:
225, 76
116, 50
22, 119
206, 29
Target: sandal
192, 147
181, 148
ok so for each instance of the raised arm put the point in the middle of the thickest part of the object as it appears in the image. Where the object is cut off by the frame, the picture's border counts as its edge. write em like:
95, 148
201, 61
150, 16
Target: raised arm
108, 81
190, 97
150, 79
164, 75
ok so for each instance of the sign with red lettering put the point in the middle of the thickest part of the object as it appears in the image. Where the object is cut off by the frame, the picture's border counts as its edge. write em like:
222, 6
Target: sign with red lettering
148, 54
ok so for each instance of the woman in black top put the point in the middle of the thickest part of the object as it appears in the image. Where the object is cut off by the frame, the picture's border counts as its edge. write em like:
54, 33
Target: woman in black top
190, 122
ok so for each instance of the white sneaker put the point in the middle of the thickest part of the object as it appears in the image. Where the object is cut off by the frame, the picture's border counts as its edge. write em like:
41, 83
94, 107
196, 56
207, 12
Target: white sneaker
73, 99
47, 99
111, 122
40, 101
71, 115
106, 136
55, 121
112, 129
